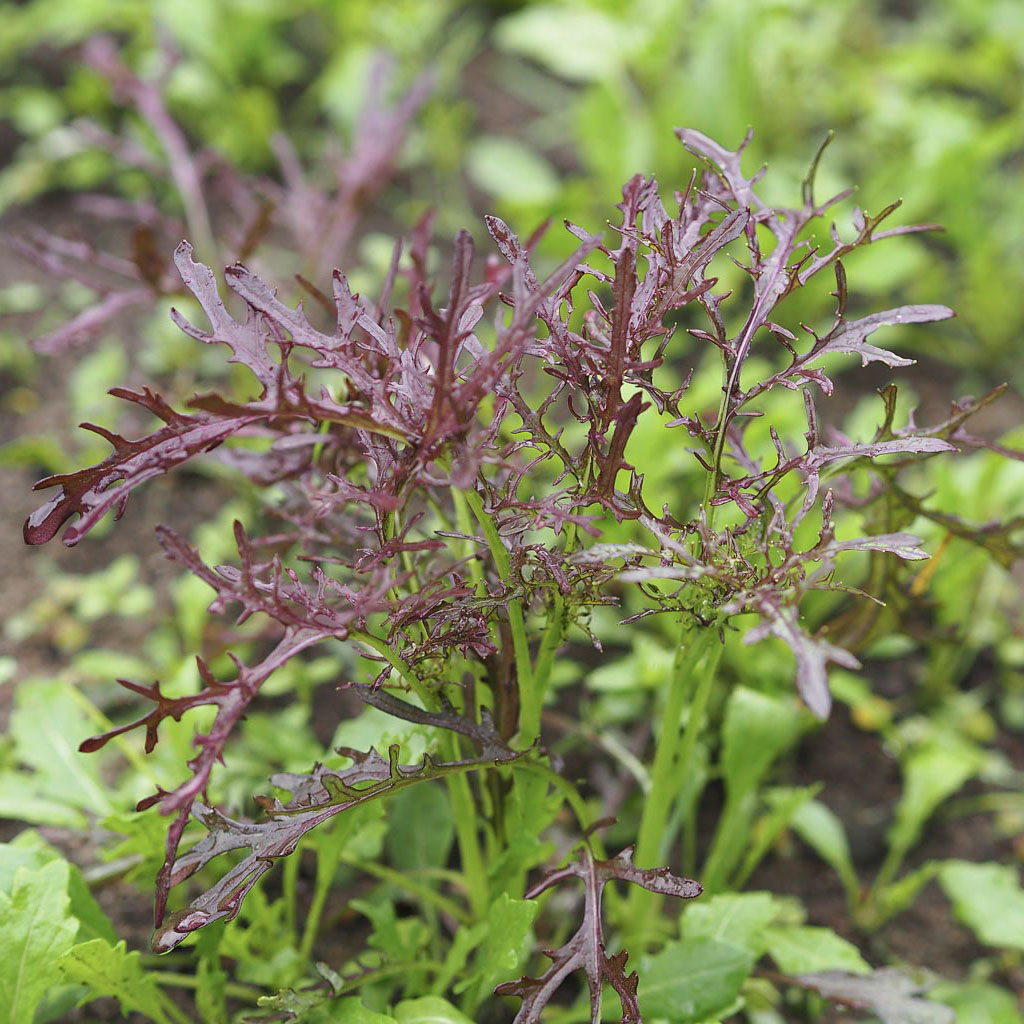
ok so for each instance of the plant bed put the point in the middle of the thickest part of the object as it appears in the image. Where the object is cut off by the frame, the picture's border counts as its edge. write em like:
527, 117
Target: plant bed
451, 490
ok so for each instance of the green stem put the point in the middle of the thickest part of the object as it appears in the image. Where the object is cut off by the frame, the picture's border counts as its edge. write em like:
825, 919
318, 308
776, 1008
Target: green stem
572, 797
400, 665
531, 699
554, 633
289, 884
672, 761
321, 889
695, 721
173, 979
727, 845
402, 880
465, 524
711, 481
463, 807
464, 812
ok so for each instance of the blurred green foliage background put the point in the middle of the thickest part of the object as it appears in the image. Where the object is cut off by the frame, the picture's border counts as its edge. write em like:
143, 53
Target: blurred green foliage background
547, 108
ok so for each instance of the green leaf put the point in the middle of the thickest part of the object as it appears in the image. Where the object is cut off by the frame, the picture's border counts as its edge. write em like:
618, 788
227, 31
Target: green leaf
211, 996
783, 803
692, 980
978, 1003
463, 943
36, 928
505, 947
397, 938
112, 971
886, 900
819, 826
531, 808
507, 169
145, 835
988, 899
736, 918
304, 1003
647, 665
931, 774
804, 950
578, 43
429, 1010
31, 851
421, 830
47, 725
24, 797
24, 851
757, 729
348, 1010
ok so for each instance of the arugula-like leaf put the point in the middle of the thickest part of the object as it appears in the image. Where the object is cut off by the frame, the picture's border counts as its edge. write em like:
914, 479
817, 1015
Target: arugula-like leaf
694, 980
36, 929
112, 971
988, 898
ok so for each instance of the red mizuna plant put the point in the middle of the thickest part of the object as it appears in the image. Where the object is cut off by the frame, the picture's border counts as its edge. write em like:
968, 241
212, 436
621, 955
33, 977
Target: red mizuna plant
451, 471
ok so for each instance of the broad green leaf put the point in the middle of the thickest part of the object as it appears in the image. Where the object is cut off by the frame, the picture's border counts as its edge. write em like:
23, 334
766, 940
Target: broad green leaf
804, 950
931, 774
349, 1010
36, 928
429, 1010
113, 971
420, 830
578, 43
819, 826
736, 918
31, 851
104, 665
988, 899
47, 725
978, 1003
505, 947
507, 169
24, 851
23, 797
647, 665
693, 979
59, 1003
757, 729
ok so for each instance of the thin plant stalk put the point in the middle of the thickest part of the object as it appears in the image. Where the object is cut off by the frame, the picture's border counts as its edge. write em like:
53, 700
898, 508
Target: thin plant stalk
695, 662
463, 807
530, 699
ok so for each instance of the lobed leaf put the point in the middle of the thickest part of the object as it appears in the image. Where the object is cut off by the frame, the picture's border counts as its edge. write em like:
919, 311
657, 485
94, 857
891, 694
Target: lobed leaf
586, 949
316, 797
